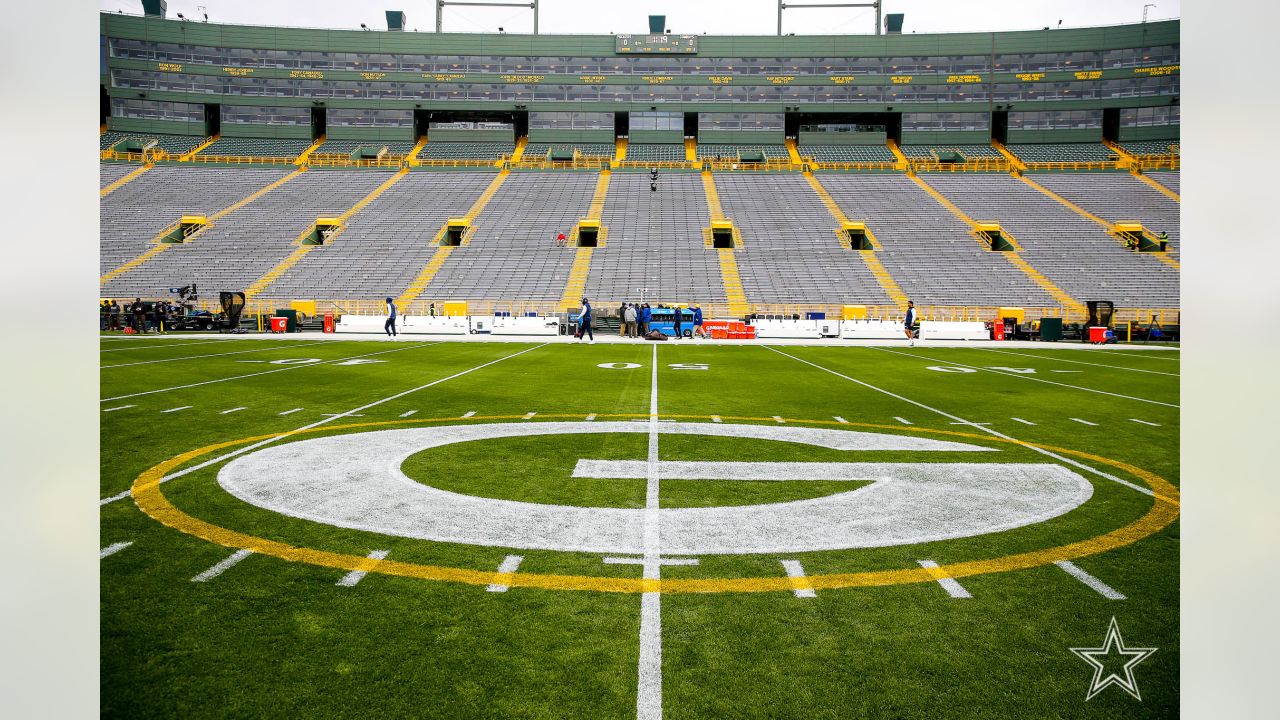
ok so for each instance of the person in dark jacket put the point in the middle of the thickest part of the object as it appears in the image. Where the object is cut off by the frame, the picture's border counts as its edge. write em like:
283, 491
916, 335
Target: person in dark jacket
679, 312
390, 325
584, 321
139, 316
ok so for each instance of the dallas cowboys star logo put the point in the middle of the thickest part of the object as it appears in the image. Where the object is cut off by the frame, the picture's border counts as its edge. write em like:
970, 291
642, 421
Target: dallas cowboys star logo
1113, 645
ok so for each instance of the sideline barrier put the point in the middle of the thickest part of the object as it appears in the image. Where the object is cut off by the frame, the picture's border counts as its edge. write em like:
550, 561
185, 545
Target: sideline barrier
513, 325
937, 330
405, 324
770, 328
871, 330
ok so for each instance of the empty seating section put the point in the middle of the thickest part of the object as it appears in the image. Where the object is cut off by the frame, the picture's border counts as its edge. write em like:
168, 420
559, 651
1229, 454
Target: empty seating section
1072, 251
172, 144
466, 151
930, 252
111, 172
257, 147
131, 216
790, 251
933, 152
513, 255
1152, 147
346, 147
387, 243
655, 153
1064, 152
655, 243
534, 151
1118, 197
1167, 178
847, 153
242, 246
733, 152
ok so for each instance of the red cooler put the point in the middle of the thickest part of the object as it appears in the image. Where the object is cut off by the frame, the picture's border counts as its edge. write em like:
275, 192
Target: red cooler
328, 322
1097, 335
279, 324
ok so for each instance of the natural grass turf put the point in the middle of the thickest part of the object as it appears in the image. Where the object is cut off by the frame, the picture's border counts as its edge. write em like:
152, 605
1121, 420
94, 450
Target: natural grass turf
270, 638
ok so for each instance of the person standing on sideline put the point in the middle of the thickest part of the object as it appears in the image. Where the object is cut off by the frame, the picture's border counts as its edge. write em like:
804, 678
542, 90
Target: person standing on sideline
584, 321
646, 316
432, 311
622, 319
679, 311
390, 325
139, 316
114, 312
629, 320
697, 322
908, 322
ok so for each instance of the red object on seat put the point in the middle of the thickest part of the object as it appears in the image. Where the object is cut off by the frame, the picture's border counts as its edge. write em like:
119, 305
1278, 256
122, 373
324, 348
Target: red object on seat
279, 324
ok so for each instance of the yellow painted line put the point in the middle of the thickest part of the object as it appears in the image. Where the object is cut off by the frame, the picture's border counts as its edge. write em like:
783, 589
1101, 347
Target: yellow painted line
793, 149
124, 180
619, 151
257, 194
397, 177
417, 148
151, 252
274, 273
902, 162
424, 277
148, 497
518, 154
713, 197
690, 150
302, 159
208, 141
1163, 190
1014, 161
877, 269
577, 283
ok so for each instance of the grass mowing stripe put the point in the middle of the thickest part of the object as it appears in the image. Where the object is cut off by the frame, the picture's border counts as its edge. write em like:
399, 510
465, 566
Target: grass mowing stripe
1024, 377
222, 566
1076, 362
268, 372
201, 357
962, 421
1102, 588
318, 423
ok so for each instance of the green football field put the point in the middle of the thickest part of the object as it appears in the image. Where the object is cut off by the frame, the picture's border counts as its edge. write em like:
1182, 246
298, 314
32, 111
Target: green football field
350, 529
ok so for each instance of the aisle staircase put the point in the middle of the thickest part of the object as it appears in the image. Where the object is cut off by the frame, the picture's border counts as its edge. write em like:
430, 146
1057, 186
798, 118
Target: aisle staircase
733, 292
877, 269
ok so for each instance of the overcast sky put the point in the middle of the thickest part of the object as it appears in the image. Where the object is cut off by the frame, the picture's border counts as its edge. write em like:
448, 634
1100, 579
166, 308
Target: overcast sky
715, 17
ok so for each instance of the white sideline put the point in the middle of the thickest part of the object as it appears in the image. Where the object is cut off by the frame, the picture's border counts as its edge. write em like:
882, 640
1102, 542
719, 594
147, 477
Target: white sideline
113, 549
509, 565
953, 588
267, 372
795, 571
355, 576
201, 357
1076, 362
983, 428
649, 681
318, 423
172, 343
222, 566
1102, 588
1026, 377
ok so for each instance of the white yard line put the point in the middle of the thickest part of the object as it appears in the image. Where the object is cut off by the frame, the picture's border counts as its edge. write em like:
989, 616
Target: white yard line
113, 549
176, 409
1025, 377
904, 421
778, 419
649, 683
1085, 422
1075, 362
953, 588
290, 412
234, 409
1144, 422
591, 417
1024, 422
983, 428
509, 565
467, 414
268, 372
1102, 588
716, 418
170, 344
840, 419
795, 571
408, 413
529, 416
122, 407
355, 576
967, 422
260, 443
222, 566
201, 357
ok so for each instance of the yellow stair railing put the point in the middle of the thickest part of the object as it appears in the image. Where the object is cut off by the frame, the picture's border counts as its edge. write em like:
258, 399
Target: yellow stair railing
690, 149
207, 142
619, 151
1014, 161
877, 269
412, 160
793, 149
902, 163
521, 143
1066, 301
420, 282
301, 160
1107, 225
302, 249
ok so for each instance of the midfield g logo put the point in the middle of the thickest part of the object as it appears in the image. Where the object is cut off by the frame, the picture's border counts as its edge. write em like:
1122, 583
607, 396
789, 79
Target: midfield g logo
356, 481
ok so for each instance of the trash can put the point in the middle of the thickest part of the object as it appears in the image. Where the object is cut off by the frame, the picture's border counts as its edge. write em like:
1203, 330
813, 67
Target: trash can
1051, 329
279, 324
328, 322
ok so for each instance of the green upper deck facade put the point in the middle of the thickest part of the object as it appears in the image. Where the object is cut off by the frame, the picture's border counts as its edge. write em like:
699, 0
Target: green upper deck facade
157, 62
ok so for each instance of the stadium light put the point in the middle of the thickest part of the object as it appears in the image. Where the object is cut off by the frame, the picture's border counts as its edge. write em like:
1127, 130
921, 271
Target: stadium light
783, 6
441, 3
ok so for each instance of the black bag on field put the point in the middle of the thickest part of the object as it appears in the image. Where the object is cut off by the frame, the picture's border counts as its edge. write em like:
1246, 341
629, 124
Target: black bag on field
655, 335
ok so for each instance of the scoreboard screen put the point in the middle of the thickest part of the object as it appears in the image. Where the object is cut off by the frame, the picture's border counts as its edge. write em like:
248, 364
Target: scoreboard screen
660, 43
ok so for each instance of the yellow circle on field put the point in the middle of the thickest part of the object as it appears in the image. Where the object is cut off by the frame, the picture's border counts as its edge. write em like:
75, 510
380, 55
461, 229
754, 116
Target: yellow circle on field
146, 494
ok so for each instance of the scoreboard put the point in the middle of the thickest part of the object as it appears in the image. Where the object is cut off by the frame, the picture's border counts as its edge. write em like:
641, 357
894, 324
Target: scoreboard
660, 43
